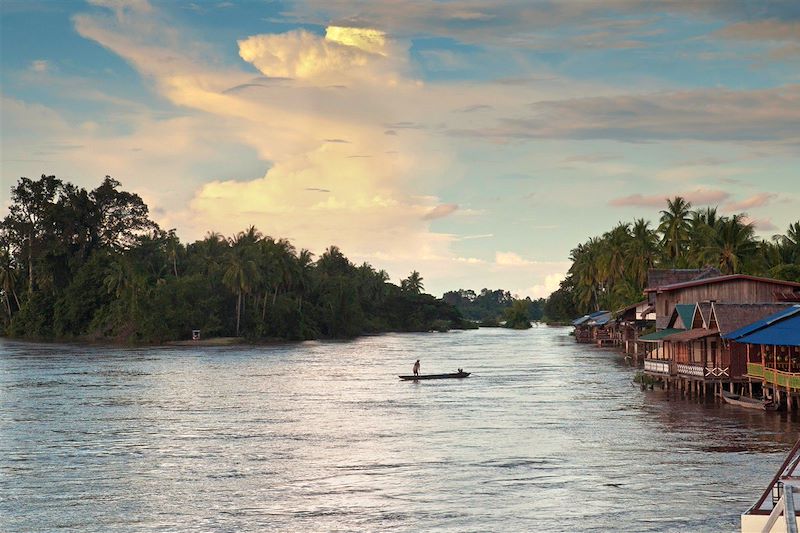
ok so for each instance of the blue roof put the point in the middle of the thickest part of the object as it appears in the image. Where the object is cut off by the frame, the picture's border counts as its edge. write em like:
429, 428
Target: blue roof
600, 319
591, 316
761, 324
581, 320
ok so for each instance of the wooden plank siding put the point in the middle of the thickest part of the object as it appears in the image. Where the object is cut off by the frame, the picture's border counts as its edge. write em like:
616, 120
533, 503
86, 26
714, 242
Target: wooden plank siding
735, 290
720, 361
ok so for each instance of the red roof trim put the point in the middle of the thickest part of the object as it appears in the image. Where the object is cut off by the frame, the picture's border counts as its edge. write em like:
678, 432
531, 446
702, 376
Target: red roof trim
720, 279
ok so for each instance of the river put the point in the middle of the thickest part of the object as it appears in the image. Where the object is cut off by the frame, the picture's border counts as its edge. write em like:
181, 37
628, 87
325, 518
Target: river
546, 435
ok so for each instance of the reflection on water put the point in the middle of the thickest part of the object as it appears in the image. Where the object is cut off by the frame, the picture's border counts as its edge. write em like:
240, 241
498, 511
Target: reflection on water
546, 435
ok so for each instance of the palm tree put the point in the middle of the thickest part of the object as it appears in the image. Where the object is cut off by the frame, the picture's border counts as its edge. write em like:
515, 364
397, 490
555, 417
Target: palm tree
613, 258
304, 268
702, 230
585, 273
241, 272
674, 228
173, 250
790, 243
641, 252
733, 245
413, 283
279, 263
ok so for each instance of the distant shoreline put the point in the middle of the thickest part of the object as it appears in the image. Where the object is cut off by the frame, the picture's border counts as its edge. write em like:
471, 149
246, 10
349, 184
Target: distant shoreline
215, 341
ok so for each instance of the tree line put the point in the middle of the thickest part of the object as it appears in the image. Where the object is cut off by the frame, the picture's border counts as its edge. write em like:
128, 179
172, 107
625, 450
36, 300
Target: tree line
491, 307
610, 271
91, 265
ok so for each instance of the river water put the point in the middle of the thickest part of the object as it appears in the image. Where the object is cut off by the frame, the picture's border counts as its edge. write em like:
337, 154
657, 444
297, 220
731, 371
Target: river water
546, 435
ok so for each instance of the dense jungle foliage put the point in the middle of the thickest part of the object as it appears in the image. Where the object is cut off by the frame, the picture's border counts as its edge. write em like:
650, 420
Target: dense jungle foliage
610, 271
91, 265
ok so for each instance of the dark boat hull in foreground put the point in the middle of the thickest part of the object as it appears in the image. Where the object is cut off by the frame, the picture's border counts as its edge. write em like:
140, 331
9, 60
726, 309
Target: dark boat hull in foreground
749, 403
454, 375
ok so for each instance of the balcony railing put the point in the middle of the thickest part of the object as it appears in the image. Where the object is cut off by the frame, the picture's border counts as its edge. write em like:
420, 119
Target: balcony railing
657, 366
716, 372
776, 377
755, 369
698, 371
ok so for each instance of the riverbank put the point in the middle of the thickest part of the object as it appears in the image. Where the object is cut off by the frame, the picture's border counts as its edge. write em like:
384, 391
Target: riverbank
214, 341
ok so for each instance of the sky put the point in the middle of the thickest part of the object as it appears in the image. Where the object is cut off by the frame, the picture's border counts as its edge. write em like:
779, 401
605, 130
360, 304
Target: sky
475, 142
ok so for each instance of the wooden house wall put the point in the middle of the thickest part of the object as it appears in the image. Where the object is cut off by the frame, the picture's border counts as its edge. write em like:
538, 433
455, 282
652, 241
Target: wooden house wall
710, 352
734, 291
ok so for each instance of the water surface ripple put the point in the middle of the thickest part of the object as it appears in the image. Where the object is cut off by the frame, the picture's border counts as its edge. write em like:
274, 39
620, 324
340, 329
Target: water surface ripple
546, 435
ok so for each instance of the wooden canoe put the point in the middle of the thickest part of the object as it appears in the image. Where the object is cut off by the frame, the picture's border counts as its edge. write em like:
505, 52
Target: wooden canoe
749, 403
454, 375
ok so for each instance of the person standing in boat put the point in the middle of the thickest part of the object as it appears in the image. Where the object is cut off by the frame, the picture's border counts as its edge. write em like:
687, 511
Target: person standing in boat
416, 368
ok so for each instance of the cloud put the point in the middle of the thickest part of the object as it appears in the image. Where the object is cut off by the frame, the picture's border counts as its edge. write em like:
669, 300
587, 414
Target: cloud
40, 65
762, 30
761, 224
591, 158
472, 237
758, 200
440, 211
278, 118
703, 114
554, 25
696, 197
782, 36
511, 259
474, 107
342, 55
551, 284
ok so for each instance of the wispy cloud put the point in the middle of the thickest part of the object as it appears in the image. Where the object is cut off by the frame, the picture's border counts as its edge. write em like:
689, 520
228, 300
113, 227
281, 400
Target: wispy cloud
591, 158
40, 65
440, 211
697, 197
706, 114
511, 259
761, 224
473, 237
758, 200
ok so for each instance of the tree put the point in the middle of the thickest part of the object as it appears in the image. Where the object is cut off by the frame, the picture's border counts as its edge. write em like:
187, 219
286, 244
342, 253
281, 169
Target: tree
121, 216
413, 283
585, 274
241, 272
32, 203
8, 277
517, 315
641, 251
675, 227
732, 245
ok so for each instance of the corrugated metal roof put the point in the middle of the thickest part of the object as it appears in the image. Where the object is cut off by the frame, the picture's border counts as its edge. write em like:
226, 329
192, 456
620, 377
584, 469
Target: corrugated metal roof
783, 333
658, 335
590, 316
692, 334
721, 279
600, 320
755, 326
629, 307
733, 316
581, 320
658, 277
686, 312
